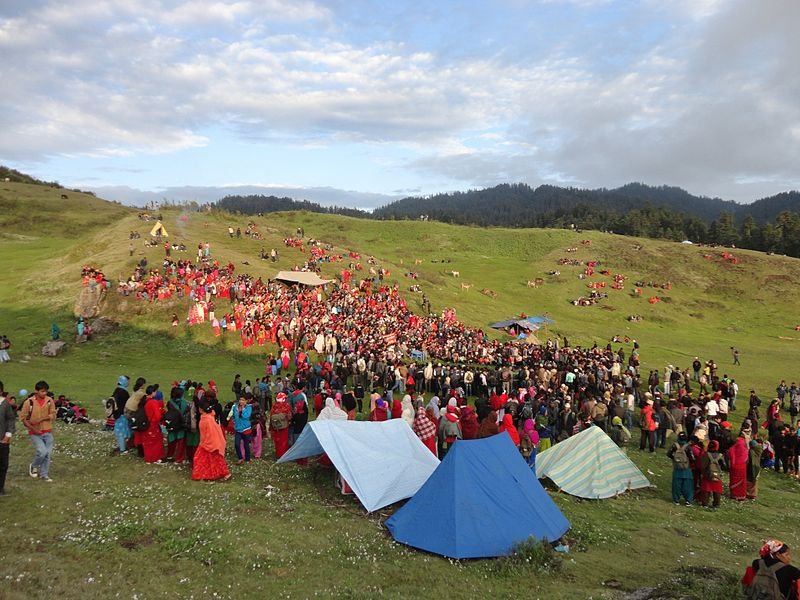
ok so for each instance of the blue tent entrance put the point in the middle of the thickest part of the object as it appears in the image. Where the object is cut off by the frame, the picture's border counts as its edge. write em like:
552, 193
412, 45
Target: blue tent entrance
479, 502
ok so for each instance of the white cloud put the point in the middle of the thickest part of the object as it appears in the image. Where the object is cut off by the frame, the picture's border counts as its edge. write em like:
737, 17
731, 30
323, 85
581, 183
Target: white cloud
696, 93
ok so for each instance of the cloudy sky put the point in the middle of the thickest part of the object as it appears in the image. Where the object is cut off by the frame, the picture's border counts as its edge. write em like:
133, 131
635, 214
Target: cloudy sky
381, 99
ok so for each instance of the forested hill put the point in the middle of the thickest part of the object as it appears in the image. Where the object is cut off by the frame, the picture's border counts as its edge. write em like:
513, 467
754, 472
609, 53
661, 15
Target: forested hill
547, 205
258, 204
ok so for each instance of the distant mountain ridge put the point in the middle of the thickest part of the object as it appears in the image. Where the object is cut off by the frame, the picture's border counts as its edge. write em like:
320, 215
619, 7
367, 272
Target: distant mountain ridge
662, 212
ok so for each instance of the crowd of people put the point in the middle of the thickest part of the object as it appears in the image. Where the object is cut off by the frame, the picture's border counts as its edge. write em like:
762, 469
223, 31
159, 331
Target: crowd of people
356, 351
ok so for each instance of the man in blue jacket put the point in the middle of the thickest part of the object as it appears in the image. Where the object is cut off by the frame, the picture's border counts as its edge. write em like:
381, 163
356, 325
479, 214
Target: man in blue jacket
240, 413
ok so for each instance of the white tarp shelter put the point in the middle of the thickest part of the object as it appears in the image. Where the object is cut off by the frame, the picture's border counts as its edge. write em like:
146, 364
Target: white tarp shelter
301, 277
382, 462
590, 465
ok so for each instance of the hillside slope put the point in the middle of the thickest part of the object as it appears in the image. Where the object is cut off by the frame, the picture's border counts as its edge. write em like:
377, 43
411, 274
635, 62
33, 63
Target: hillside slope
713, 302
297, 522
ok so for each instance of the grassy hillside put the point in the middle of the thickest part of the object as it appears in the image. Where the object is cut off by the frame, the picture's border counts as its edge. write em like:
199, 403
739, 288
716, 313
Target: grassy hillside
112, 524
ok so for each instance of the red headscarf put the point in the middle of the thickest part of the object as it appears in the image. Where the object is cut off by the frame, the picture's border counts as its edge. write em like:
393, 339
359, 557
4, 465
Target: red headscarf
508, 426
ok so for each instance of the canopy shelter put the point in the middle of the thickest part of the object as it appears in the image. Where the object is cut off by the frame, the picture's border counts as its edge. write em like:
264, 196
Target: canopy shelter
301, 277
481, 501
382, 462
531, 324
159, 229
590, 465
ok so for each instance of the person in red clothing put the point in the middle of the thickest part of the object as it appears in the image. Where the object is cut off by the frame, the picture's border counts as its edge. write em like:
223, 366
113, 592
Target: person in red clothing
695, 450
508, 426
497, 401
397, 408
648, 425
152, 438
280, 419
379, 411
737, 459
425, 429
711, 467
209, 458
469, 423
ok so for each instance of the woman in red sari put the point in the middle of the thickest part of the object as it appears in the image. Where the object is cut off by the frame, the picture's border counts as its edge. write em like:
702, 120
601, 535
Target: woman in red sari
209, 458
737, 463
152, 438
280, 418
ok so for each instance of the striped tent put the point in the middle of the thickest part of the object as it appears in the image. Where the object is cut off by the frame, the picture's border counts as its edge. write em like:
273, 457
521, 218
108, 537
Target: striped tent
590, 465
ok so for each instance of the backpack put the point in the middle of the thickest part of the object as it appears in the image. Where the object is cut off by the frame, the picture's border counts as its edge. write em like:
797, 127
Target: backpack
680, 457
279, 420
139, 420
642, 420
714, 470
600, 412
765, 584
173, 420
525, 446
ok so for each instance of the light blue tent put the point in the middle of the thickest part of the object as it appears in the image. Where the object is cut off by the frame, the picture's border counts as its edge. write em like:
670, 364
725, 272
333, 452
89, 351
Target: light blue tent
590, 465
382, 462
481, 501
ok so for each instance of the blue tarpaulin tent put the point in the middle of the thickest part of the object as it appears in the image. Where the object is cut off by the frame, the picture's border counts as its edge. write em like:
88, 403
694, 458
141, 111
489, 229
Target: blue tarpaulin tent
382, 462
527, 323
481, 501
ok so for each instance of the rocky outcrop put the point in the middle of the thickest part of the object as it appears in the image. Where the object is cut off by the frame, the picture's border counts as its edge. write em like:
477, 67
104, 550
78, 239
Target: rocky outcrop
89, 300
103, 325
54, 348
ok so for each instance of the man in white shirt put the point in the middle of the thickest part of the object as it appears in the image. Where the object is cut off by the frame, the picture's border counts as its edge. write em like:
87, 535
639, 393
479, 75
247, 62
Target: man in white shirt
712, 408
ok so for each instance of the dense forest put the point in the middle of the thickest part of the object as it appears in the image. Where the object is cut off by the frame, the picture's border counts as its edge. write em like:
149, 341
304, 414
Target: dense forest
770, 224
254, 205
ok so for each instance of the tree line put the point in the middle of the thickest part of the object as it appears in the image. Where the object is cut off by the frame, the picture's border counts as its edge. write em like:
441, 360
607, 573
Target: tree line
636, 210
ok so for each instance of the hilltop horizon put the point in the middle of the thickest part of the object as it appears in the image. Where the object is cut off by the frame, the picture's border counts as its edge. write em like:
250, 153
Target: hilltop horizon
330, 196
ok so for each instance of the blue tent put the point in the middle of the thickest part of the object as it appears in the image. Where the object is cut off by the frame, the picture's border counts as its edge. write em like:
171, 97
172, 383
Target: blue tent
528, 323
480, 501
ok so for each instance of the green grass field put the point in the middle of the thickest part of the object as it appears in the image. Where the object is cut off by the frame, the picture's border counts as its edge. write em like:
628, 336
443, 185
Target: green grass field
111, 526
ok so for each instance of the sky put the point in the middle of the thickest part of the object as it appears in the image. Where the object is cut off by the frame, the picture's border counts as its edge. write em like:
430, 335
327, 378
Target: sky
358, 102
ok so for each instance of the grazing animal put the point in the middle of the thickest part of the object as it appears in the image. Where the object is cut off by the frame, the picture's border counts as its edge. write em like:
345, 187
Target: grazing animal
466, 286
488, 292
417, 261
64, 196
535, 283
455, 273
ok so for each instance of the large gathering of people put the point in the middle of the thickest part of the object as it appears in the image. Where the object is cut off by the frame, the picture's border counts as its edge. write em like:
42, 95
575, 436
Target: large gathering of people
355, 350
